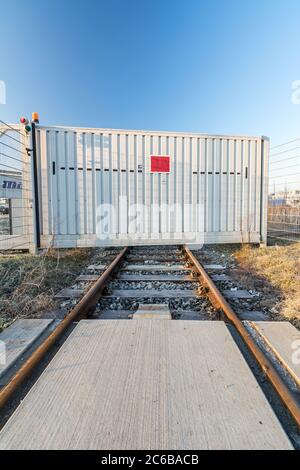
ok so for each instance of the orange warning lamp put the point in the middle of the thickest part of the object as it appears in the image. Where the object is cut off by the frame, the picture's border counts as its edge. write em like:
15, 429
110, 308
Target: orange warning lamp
35, 117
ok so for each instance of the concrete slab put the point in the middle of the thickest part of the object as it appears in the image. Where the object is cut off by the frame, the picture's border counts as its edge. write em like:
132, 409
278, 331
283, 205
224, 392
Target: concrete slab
214, 267
69, 294
155, 277
160, 258
237, 294
155, 267
284, 340
18, 338
154, 311
87, 277
96, 267
220, 277
146, 385
254, 315
143, 293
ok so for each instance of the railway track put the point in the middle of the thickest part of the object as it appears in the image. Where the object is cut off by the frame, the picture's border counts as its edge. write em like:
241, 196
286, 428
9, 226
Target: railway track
155, 277
157, 283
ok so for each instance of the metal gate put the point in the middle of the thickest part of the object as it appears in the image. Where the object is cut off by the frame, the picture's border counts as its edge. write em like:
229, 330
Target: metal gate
16, 192
102, 187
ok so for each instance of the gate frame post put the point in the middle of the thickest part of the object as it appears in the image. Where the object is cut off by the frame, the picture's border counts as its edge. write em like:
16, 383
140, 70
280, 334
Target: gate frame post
35, 194
265, 145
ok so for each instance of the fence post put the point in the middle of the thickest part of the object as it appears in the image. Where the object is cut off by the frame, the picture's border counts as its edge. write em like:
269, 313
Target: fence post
35, 190
264, 190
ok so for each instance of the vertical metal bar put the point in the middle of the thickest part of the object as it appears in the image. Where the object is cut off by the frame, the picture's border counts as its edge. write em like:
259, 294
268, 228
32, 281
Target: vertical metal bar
10, 217
264, 189
35, 187
242, 189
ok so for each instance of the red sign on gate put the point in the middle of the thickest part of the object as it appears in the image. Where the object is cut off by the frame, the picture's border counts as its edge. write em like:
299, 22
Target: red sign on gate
160, 163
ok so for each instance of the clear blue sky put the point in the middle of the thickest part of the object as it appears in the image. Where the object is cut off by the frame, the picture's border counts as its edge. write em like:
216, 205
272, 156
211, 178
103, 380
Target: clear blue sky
202, 66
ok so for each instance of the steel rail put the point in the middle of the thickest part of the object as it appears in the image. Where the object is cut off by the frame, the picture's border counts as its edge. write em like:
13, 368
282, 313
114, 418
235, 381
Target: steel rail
266, 366
81, 309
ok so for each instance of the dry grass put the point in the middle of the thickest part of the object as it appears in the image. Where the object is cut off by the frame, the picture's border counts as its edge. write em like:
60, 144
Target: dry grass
28, 282
277, 269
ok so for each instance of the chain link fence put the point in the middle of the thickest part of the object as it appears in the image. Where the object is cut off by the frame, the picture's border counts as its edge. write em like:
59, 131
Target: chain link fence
284, 192
16, 227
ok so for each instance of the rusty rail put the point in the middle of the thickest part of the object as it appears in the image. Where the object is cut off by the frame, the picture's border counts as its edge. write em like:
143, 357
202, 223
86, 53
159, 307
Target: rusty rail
80, 310
266, 366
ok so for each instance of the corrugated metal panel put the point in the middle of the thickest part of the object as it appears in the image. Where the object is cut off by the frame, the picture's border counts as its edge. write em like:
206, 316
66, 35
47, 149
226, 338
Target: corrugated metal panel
96, 187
